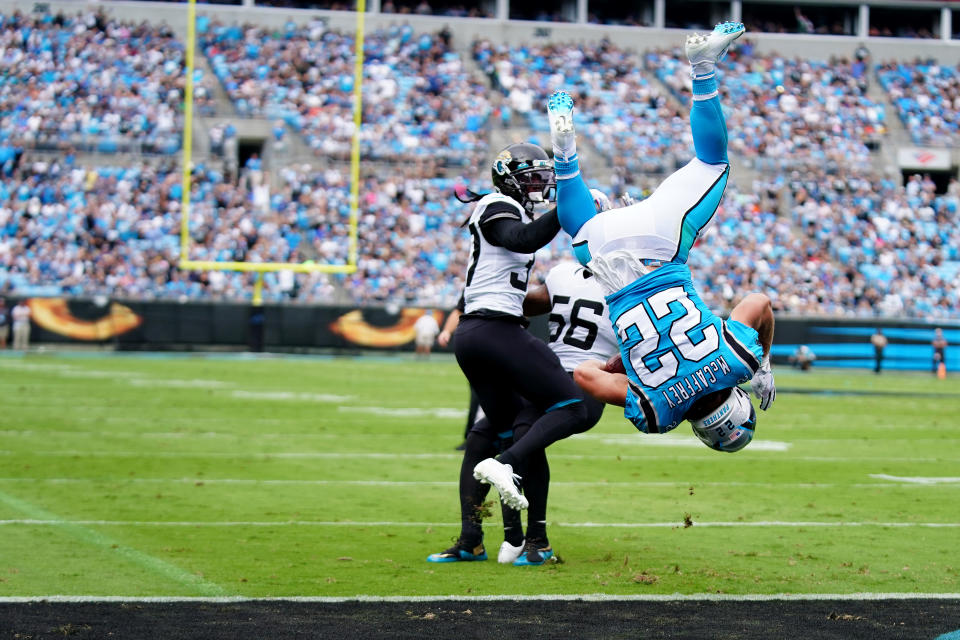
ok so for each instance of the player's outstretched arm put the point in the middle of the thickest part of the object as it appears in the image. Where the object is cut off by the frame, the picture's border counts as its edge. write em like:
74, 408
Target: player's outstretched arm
603, 385
756, 311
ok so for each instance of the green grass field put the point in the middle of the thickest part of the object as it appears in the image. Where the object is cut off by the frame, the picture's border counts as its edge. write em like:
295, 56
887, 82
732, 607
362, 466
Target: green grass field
136, 476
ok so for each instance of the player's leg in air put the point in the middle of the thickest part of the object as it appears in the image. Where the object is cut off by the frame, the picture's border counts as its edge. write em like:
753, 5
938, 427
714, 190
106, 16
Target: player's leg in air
539, 378
533, 548
706, 122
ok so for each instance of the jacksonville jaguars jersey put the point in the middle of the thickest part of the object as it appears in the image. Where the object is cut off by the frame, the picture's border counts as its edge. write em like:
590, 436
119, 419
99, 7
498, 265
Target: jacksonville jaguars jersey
496, 276
674, 350
618, 245
580, 327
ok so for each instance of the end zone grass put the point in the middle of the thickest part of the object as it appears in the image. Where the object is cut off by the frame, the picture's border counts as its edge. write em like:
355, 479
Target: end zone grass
188, 476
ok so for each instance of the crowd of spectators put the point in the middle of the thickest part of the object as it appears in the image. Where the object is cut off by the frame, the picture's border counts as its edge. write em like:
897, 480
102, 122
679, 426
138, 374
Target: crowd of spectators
817, 243
66, 230
837, 245
626, 117
789, 113
418, 98
90, 82
819, 232
927, 98
900, 243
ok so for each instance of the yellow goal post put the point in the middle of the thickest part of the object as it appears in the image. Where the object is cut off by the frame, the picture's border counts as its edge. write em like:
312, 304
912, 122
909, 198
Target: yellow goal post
185, 262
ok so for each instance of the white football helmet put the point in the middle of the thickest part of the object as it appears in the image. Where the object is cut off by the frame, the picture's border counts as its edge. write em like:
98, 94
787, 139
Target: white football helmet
730, 426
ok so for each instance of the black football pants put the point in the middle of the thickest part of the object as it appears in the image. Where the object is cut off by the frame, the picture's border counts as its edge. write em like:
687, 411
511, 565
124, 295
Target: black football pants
506, 365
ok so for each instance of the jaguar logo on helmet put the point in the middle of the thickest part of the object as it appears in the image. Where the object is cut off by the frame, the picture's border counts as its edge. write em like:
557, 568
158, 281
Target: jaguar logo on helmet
502, 163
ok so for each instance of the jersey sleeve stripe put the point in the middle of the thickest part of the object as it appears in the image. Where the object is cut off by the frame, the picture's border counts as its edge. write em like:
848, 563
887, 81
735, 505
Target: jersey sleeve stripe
497, 216
649, 413
499, 209
740, 350
475, 257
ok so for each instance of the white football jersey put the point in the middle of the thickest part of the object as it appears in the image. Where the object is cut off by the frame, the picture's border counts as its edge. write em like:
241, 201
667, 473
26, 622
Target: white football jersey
580, 327
496, 277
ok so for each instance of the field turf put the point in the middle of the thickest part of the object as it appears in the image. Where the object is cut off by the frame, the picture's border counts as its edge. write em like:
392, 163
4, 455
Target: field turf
219, 476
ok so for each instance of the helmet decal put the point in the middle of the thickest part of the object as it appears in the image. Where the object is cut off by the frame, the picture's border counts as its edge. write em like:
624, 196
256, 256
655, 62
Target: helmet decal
500, 165
730, 426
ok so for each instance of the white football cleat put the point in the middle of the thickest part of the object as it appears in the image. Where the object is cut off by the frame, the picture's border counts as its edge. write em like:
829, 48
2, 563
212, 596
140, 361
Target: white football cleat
509, 553
503, 479
562, 136
704, 51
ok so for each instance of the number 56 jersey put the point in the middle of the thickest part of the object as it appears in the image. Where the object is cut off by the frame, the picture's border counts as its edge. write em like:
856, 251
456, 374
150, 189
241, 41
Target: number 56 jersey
579, 322
674, 349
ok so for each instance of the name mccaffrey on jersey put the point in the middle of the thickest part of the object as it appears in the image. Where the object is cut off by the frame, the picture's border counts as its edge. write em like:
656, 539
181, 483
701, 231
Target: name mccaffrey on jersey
697, 382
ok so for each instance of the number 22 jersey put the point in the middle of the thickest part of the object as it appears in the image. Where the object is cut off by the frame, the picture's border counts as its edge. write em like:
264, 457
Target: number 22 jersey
674, 349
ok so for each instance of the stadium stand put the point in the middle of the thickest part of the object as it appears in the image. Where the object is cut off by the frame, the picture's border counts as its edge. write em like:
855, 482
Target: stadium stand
88, 82
620, 111
788, 113
898, 245
848, 246
418, 99
819, 229
927, 99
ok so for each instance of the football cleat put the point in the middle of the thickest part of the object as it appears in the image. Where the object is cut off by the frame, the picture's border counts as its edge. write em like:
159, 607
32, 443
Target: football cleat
509, 553
704, 51
460, 552
562, 135
503, 479
535, 553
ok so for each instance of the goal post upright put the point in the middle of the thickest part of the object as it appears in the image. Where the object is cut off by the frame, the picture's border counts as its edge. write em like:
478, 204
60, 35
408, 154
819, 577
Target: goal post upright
185, 263
187, 145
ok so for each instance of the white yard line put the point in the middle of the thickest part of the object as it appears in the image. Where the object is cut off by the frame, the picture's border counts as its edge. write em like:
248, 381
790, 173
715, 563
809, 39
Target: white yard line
438, 483
576, 525
175, 383
707, 457
290, 396
233, 435
587, 597
919, 480
78, 531
408, 412
672, 440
